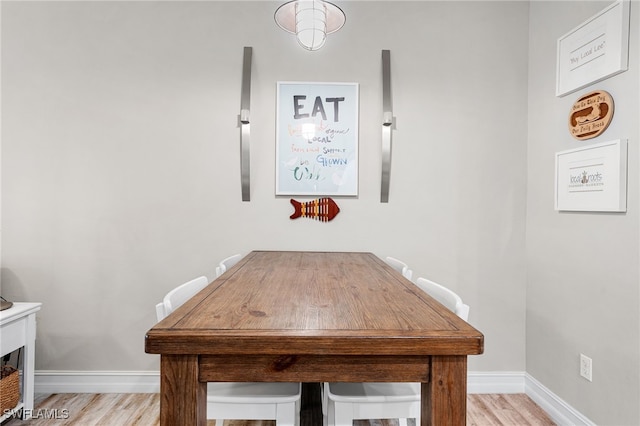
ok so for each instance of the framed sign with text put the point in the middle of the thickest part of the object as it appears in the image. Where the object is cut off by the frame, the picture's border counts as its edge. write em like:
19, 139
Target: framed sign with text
317, 139
592, 178
595, 50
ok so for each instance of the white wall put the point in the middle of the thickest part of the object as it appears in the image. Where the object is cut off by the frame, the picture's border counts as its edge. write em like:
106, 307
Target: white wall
120, 174
121, 158
583, 268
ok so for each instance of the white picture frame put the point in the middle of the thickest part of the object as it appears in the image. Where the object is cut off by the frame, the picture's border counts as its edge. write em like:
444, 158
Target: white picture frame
592, 178
317, 139
595, 50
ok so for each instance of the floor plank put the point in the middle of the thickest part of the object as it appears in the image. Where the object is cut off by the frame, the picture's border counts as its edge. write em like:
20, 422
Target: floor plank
144, 410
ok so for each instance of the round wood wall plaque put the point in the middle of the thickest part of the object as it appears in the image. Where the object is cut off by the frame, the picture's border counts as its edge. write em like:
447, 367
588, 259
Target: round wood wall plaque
591, 115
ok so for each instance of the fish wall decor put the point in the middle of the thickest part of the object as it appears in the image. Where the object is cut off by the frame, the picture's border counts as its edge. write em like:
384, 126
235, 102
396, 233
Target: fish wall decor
322, 209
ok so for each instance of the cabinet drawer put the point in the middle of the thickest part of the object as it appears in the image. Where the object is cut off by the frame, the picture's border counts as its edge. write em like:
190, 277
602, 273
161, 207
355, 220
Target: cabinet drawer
13, 336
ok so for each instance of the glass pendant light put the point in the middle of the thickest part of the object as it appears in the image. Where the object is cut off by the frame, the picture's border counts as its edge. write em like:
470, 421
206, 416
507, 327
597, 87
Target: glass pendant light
310, 21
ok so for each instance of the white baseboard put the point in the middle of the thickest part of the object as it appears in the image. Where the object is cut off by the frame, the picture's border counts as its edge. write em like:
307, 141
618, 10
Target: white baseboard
495, 382
65, 381
50, 381
54, 381
559, 411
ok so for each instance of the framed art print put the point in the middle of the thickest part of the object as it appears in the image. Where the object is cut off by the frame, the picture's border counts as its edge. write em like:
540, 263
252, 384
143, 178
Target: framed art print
317, 139
595, 50
592, 178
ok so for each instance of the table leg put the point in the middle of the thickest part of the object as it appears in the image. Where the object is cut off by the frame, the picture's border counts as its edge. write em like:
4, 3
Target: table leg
183, 398
444, 398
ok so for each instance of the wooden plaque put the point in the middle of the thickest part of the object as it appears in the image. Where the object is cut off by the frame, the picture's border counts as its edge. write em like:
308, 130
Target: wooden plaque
591, 115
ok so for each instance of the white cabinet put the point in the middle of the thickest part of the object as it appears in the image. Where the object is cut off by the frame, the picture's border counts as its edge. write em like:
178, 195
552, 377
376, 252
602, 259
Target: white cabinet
18, 330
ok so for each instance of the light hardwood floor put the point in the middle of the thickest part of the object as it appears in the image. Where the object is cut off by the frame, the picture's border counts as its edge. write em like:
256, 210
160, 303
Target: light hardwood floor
144, 410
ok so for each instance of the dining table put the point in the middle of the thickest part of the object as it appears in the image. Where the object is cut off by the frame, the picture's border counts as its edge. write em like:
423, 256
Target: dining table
302, 316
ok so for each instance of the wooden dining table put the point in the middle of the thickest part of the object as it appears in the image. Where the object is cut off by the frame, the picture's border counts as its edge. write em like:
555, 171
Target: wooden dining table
294, 316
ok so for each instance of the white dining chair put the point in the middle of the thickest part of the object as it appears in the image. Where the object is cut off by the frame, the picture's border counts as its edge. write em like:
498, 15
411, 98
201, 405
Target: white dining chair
239, 401
160, 311
227, 263
445, 296
347, 402
181, 294
399, 266
342, 403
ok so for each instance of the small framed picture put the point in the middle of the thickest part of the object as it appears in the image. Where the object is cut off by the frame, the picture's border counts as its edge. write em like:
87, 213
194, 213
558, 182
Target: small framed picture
592, 178
595, 50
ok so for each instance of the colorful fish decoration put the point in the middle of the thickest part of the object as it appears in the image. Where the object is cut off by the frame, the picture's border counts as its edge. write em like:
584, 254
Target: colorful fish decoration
322, 209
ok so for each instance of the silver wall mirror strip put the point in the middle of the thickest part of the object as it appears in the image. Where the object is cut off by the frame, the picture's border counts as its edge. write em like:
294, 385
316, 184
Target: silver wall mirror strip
245, 132
387, 121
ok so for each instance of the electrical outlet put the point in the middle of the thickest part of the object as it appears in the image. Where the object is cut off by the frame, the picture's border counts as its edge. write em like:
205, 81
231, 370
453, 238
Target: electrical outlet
585, 367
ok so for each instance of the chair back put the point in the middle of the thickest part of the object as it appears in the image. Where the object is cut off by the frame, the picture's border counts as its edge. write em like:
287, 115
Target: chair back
181, 294
227, 263
399, 266
445, 296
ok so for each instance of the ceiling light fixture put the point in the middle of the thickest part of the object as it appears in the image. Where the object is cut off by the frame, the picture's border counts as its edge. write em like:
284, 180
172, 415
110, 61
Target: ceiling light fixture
310, 21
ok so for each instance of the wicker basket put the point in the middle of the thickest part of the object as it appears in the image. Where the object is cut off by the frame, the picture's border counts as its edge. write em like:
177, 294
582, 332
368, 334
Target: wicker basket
9, 388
